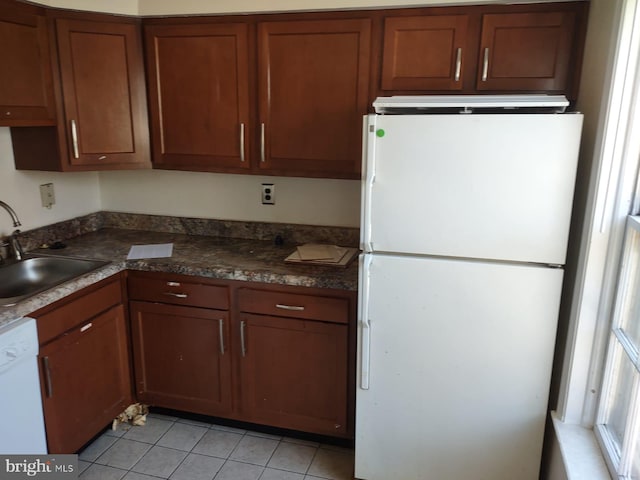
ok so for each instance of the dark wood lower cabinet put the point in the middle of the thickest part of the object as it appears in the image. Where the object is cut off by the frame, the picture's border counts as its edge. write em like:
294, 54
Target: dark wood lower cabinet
294, 373
181, 357
85, 380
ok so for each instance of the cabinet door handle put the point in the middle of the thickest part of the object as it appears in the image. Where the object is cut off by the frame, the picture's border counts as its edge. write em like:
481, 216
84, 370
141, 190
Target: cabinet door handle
242, 142
296, 308
243, 347
74, 139
458, 64
221, 333
47, 377
173, 284
178, 295
262, 152
485, 65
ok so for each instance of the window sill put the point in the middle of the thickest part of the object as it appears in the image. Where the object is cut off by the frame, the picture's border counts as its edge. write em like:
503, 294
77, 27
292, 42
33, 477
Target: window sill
580, 452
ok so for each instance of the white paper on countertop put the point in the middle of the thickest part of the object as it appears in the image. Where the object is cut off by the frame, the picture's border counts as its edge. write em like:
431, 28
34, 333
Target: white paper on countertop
159, 250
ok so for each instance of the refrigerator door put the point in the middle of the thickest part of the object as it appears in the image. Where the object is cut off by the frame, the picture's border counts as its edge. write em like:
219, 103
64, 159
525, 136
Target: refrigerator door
457, 369
496, 186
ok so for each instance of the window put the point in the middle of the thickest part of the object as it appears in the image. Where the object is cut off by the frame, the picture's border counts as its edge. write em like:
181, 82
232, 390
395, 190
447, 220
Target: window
601, 378
618, 419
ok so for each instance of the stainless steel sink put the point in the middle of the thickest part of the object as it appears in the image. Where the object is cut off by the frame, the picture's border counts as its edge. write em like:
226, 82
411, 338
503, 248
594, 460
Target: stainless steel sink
24, 278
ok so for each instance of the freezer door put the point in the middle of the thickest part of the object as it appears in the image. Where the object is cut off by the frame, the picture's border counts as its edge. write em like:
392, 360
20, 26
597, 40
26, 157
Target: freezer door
474, 186
457, 370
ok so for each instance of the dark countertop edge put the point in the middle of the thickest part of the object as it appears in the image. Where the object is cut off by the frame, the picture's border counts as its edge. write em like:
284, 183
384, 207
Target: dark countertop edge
24, 308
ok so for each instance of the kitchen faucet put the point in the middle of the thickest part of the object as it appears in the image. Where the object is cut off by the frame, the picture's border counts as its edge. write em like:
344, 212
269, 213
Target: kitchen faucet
13, 240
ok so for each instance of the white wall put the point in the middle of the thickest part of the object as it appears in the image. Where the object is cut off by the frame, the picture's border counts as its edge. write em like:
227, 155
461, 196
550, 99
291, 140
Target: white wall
76, 193
170, 7
167, 7
232, 197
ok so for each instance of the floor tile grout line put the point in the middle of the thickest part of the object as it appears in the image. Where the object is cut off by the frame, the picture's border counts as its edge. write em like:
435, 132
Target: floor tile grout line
270, 457
315, 454
236, 447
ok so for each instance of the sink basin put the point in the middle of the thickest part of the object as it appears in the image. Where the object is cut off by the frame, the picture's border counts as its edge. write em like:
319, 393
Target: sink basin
33, 275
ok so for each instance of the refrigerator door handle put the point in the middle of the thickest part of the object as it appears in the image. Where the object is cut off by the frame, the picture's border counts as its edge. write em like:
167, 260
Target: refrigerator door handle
369, 176
365, 324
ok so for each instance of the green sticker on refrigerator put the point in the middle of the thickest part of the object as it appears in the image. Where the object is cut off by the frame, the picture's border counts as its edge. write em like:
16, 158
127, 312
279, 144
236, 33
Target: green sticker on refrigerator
380, 133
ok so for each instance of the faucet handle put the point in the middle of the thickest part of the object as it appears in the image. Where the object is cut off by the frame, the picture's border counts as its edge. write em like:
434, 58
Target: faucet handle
18, 252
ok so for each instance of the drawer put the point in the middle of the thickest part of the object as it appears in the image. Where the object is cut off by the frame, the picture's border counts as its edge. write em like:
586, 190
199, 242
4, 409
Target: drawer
178, 292
281, 304
71, 314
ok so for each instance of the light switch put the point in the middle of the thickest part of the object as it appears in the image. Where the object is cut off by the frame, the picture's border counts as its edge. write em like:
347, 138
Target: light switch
47, 195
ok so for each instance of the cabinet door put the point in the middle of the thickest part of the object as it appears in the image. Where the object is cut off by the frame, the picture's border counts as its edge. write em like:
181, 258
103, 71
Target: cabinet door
294, 373
526, 51
86, 380
313, 90
103, 92
424, 53
26, 94
199, 96
181, 357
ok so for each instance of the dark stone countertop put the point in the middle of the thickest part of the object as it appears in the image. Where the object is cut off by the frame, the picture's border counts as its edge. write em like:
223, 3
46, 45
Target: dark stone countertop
205, 256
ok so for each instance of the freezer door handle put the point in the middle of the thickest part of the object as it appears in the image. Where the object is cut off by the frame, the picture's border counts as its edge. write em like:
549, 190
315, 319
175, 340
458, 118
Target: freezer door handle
369, 176
365, 323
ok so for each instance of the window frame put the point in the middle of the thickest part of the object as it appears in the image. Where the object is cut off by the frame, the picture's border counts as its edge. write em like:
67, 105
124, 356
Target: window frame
612, 197
619, 455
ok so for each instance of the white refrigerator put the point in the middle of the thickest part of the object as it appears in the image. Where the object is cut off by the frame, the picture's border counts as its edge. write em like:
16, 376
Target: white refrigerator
465, 220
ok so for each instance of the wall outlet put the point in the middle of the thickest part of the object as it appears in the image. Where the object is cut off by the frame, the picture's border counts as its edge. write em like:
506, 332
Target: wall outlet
47, 195
268, 194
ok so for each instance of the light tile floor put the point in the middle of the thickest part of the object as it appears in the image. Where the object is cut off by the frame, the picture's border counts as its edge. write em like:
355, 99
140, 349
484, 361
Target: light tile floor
180, 449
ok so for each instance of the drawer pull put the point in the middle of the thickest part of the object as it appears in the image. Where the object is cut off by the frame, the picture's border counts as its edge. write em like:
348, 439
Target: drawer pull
86, 327
221, 333
47, 377
177, 295
173, 284
243, 347
295, 308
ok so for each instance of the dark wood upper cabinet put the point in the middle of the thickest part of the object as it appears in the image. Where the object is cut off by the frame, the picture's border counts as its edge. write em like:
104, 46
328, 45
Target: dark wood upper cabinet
26, 90
526, 51
313, 81
532, 48
102, 81
198, 84
101, 105
425, 53
275, 94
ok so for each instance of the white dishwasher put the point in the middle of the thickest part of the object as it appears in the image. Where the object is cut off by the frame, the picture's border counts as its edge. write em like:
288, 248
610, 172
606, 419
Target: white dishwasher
22, 426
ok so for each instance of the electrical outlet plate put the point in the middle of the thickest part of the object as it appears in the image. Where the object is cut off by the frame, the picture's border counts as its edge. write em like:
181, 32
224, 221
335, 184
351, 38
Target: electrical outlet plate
268, 194
47, 195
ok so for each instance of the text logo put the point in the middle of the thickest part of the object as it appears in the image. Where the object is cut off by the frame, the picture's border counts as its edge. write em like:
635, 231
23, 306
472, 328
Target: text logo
49, 467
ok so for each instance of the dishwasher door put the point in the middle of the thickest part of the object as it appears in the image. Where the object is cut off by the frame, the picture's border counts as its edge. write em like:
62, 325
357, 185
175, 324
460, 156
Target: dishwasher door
22, 426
